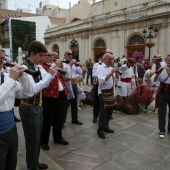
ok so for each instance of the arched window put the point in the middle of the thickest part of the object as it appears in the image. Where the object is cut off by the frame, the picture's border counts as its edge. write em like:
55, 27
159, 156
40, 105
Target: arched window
99, 44
135, 40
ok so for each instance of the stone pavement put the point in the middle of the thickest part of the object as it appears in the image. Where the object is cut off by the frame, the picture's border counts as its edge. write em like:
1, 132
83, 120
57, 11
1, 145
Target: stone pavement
135, 145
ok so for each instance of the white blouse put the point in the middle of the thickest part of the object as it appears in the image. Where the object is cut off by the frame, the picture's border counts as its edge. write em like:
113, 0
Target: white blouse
12, 89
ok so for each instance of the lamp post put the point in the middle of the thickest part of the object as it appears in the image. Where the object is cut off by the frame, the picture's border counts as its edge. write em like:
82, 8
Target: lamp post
74, 46
73, 43
150, 37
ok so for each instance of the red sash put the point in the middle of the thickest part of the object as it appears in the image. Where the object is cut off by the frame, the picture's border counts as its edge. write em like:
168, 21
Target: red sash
126, 80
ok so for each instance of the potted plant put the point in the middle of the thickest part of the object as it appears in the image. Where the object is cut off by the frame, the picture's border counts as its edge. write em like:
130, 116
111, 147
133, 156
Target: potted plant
150, 44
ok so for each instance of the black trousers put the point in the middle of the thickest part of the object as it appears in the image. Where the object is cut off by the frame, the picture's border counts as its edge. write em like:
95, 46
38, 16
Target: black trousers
54, 110
73, 103
8, 150
104, 115
163, 102
96, 102
32, 120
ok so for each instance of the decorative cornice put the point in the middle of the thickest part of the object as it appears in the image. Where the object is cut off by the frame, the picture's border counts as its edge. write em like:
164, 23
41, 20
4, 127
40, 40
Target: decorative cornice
136, 15
99, 23
62, 39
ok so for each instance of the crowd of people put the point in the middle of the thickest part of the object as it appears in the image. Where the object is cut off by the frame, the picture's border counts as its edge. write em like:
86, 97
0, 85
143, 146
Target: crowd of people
47, 86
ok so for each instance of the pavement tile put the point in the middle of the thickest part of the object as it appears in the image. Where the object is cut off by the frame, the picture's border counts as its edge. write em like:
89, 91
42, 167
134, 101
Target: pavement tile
80, 159
155, 150
126, 139
106, 148
142, 130
132, 160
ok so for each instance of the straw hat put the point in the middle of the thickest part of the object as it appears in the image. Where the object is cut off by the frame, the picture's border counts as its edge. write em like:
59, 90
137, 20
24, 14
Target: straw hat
158, 57
151, 73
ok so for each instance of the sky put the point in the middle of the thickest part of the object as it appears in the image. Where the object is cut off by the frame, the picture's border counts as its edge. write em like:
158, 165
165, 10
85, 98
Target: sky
33, 4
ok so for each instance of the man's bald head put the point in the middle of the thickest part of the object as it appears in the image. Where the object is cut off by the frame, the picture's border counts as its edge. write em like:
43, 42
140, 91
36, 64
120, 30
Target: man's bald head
68, 55
108, 59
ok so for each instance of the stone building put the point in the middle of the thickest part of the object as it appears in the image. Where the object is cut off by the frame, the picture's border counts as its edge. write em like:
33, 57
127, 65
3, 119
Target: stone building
117, 25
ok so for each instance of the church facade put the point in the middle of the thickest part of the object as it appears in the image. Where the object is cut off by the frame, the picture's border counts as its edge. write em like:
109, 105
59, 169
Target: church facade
122, 26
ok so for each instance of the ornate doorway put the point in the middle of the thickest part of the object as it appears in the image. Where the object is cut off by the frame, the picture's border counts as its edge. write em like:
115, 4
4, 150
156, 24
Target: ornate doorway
99, 46
136, 43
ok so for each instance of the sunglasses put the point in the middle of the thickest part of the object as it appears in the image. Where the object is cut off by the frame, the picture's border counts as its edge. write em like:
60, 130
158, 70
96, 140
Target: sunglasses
69, 54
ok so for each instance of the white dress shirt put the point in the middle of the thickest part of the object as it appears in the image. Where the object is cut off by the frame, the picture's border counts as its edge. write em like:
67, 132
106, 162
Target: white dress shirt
11, 89
162, 77
127, 72
94, 71
102, 71
46, 79
72, 71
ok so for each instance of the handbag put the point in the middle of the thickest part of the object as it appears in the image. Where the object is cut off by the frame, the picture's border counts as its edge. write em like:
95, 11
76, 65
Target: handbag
82, 96
79, 89
108, 97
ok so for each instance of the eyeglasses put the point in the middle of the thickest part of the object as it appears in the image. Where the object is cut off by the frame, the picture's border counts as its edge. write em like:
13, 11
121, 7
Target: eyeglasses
69, 53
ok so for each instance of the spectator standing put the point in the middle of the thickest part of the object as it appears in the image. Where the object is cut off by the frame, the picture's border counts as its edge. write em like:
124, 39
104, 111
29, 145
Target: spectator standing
89, 66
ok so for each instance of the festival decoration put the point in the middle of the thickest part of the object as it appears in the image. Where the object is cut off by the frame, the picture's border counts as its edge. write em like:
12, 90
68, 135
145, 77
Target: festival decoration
137, 55
150, 44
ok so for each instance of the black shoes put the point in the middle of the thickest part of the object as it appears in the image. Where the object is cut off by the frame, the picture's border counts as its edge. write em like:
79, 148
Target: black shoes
77, 122
16, 119
45, 147
109, 130
111, 117
42, 166
95, 120
101, 134
62, 141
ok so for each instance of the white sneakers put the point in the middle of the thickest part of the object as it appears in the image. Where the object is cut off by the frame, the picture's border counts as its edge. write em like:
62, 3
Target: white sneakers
79, 108
162, 135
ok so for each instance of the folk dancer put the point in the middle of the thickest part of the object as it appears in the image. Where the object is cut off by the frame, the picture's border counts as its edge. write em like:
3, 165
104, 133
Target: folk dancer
127, 73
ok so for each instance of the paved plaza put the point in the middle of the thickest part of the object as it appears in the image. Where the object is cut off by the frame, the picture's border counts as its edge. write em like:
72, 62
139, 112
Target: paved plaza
135, 145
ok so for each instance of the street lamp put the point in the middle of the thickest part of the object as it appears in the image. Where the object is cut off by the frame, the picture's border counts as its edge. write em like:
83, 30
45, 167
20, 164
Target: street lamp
74, 47
150, 37
73, 43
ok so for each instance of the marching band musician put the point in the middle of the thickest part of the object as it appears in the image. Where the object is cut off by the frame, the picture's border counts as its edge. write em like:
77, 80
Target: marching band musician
54, 103
96, 96
163, 75
9, 90
69, 64
30, 109
107, 76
